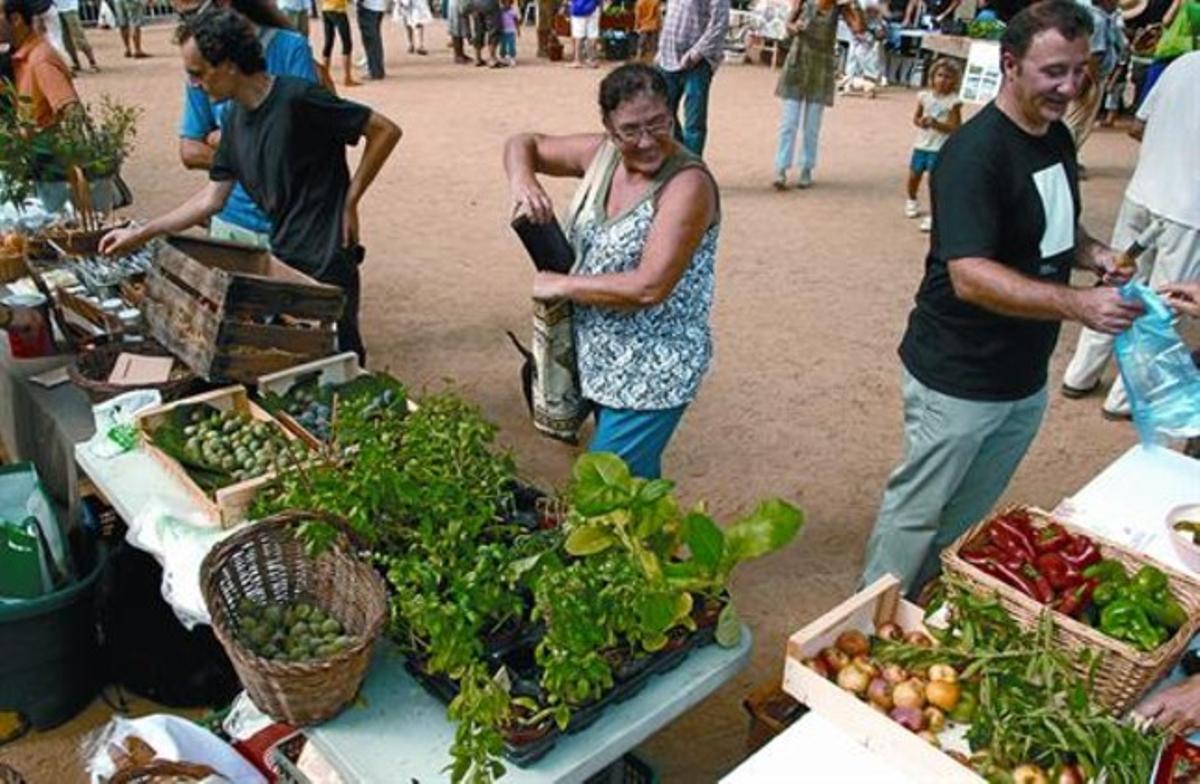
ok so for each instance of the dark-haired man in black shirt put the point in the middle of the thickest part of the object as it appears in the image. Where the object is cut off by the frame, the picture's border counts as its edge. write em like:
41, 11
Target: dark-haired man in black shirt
285, 140
1005, 236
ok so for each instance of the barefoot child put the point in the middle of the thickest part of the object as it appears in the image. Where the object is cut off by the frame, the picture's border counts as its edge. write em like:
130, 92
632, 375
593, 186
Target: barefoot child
938, 114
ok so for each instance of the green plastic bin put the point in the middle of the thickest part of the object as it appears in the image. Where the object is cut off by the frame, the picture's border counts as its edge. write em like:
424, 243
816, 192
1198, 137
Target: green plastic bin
50, 663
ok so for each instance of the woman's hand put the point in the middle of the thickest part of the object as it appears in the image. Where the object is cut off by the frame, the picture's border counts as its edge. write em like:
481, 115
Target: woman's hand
1176, 709
549, 285
530, 199
1183, 297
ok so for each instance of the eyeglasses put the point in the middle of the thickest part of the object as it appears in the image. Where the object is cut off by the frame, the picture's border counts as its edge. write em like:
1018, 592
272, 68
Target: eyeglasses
186, 15
659, 129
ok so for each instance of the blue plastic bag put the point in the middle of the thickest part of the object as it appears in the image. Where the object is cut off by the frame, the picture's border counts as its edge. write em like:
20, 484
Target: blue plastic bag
1156, 366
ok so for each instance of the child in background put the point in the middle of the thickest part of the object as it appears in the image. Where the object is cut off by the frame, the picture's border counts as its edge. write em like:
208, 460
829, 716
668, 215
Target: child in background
647, 16
939, 113
510, 28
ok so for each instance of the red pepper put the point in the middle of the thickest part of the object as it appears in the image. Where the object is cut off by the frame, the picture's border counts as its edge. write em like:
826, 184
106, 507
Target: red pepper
1010, 538
981, 553
1060, 574
1013, 577
1081, 553
1051, 538
1041, 586
1074, 601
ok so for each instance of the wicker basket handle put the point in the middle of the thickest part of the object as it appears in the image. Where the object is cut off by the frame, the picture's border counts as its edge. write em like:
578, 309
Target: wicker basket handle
156, 768
295, 516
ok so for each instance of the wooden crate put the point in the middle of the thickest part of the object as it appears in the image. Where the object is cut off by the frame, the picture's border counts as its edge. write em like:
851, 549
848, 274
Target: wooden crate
205, 301
330, 371
228, 505
878, 603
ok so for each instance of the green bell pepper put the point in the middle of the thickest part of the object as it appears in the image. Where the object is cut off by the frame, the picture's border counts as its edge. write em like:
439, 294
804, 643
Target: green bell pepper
1125, 619
1107, 571
1149, 581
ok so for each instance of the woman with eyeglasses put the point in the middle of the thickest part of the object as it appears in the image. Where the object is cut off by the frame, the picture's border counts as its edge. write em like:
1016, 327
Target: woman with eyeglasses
645, 240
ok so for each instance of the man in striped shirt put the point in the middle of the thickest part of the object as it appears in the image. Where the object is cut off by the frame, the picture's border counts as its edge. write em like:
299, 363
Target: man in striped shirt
690, 49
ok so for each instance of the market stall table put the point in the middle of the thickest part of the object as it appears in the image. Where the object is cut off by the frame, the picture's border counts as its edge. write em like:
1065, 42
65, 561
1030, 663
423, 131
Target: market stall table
1127, 502
399, 732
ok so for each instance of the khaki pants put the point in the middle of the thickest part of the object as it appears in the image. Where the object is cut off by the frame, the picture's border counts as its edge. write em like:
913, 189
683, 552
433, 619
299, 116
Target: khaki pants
1174, 257
74, 39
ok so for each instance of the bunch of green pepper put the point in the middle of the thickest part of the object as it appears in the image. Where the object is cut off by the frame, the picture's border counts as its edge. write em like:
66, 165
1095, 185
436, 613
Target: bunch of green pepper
1140, 609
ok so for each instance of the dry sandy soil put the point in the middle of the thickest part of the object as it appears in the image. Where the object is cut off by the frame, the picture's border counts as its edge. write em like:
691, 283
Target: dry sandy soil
813, 291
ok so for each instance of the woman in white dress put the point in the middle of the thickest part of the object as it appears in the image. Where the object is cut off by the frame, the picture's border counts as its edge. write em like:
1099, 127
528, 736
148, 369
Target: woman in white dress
413, 14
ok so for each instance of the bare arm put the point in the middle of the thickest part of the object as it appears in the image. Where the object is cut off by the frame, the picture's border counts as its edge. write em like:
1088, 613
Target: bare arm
382, 135
195, 154
953, 121
1184, 297
527, 155
1137, 129
1000, 289
918, 115
854, 18
686, 209
200, 207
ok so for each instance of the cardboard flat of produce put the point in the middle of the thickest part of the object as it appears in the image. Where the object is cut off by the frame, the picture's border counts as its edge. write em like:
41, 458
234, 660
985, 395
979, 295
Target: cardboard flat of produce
877, 604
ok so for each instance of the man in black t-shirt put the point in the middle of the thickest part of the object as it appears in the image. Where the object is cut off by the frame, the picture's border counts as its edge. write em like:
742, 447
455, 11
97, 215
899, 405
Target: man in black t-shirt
285, 140
996, 286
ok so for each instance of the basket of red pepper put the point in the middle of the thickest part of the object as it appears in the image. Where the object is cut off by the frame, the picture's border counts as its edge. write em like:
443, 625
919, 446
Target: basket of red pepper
1137, 614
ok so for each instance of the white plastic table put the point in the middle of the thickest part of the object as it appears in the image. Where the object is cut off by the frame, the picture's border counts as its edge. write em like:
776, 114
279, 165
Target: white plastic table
400, 733
1127, 502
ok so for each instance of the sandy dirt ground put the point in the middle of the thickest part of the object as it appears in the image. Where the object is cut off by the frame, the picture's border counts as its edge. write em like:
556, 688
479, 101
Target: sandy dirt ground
812, 295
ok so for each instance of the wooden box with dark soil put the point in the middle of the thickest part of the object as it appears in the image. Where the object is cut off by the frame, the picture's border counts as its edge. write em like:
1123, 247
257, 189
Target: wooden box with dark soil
234, 313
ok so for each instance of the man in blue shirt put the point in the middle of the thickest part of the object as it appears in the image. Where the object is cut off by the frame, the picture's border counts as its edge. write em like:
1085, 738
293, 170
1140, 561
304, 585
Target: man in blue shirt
287, 54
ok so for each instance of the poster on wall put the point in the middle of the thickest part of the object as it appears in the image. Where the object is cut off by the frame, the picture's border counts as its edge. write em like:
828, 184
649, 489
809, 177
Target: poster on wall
981, 80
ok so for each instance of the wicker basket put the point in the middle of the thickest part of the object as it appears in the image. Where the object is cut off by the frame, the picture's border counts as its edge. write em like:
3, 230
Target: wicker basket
1124, 673
91, 369
265, 562
12, 266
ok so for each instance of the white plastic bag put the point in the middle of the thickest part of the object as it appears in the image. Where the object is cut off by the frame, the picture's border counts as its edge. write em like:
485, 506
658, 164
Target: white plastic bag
115, 429
174, 739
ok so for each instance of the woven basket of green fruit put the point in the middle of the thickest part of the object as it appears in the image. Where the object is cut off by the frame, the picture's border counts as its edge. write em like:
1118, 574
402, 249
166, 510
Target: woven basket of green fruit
298, 627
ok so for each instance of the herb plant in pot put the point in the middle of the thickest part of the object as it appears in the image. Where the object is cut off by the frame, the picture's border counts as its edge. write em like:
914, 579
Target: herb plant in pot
97, 140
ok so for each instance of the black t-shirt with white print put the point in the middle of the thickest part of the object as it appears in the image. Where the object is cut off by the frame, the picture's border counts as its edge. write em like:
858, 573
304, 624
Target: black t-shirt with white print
1002, 194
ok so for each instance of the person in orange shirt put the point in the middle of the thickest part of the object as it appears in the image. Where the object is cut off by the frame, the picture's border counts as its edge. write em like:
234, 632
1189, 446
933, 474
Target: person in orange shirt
647, 21
39, 72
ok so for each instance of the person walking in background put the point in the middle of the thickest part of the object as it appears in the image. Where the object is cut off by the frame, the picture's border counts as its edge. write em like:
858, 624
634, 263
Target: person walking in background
997, 284
1107, 46
296, 12
413, 15
370, 21
642, 289
130, 16
938, 114
647, 23
510, 28
1164, 191
585, 32
286, 53
336, 22
73, 36
806, 83
690, 50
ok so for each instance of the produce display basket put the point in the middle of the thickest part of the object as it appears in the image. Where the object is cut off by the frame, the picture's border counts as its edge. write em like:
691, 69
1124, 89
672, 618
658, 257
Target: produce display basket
12, 266
266, 563
876, 604
226, 506
1124, 673
91, 369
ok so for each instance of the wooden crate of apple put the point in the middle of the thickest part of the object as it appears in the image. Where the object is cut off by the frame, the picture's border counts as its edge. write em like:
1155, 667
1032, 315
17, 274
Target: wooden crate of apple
921, 702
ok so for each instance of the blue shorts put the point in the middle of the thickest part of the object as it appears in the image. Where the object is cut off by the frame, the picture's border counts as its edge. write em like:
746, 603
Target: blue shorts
922, 161
637, 437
